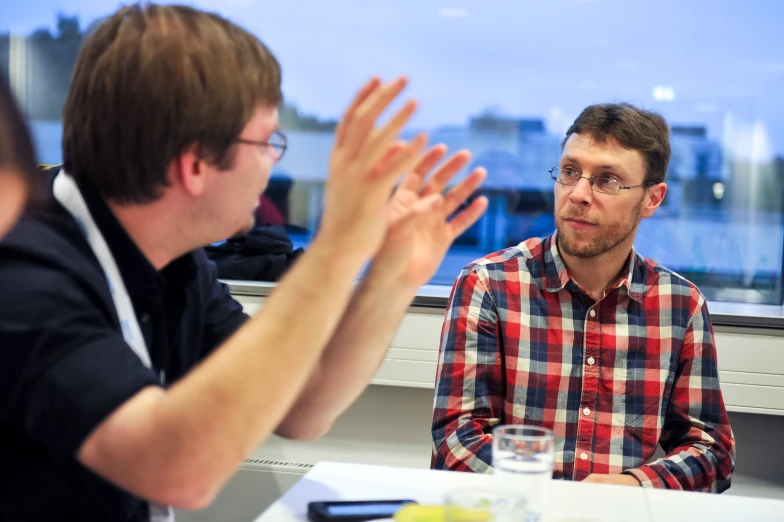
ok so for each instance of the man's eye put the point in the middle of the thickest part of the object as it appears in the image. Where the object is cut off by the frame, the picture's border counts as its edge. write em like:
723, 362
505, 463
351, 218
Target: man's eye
608, 181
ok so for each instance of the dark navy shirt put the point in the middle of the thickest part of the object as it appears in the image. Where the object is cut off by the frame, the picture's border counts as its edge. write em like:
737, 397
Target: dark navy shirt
64, 365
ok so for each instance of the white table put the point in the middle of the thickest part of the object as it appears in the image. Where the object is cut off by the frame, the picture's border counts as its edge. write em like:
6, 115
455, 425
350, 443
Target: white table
566, 502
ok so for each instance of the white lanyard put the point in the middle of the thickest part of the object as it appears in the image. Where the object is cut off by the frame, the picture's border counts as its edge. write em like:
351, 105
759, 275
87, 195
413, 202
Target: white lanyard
67, 193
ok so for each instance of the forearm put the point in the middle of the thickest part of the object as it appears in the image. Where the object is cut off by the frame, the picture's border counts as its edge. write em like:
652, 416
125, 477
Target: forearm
690, 467
181, 445
352, 356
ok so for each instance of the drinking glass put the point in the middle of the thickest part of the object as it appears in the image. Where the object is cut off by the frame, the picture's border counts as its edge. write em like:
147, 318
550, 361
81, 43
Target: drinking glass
523, 463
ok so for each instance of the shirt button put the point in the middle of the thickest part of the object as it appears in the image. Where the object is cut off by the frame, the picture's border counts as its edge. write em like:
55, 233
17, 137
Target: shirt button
145, 318
583, 456
593, 313
591, 361
586, 411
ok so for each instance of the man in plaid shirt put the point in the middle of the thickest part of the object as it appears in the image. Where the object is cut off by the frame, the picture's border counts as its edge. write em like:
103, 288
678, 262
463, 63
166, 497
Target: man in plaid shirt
580, 334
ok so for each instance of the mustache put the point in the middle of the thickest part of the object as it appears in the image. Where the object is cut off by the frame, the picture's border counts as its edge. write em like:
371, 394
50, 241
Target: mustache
575, 215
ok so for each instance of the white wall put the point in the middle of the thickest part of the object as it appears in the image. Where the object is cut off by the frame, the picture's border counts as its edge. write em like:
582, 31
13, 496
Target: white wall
751, 360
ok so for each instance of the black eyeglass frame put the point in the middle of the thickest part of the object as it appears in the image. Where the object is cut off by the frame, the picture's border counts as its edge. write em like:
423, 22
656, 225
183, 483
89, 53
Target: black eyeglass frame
278, 148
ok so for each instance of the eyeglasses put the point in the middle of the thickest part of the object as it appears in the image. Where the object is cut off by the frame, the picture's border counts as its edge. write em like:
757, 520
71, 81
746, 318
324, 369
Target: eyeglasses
604, 184
275, 146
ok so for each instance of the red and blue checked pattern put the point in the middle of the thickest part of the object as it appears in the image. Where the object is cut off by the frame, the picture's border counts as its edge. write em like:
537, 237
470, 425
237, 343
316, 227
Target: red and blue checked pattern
523, 344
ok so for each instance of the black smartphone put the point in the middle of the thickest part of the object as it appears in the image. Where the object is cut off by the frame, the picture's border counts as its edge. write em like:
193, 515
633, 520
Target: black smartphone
354, 511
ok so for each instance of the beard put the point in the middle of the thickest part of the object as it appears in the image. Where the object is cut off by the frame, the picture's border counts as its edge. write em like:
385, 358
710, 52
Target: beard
607, 237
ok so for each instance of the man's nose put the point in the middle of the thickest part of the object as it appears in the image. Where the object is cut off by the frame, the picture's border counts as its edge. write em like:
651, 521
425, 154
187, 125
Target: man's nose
582, 193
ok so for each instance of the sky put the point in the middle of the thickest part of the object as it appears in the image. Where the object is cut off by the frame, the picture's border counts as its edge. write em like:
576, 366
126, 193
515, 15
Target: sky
721, 61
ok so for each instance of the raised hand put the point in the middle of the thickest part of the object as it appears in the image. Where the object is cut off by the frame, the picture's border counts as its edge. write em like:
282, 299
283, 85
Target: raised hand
364, 166
420, 229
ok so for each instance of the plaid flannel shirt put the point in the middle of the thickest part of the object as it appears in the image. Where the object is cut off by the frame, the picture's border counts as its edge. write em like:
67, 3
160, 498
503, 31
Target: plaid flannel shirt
523, 344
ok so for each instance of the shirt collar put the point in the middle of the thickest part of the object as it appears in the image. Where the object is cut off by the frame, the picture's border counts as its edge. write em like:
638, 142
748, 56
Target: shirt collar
138, 274
136, 270
557, 276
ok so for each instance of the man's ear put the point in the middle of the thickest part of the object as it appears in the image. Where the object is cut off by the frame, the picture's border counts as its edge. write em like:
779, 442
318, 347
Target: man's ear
189, 171
653, 199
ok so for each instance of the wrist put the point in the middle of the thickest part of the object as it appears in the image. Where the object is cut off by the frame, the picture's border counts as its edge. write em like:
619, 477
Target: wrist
386, 273
341, 250
632, 478
645, 476
397, 266
387, 279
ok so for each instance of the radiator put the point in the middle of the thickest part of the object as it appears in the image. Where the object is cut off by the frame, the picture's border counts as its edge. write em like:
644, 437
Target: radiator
255, 486
276, 466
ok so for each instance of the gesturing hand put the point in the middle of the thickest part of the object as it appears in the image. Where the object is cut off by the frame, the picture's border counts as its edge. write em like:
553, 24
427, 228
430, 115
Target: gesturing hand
420, 232
364, 166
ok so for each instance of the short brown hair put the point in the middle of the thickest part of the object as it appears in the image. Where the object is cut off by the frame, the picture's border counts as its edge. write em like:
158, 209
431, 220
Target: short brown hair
153, 80
634, 128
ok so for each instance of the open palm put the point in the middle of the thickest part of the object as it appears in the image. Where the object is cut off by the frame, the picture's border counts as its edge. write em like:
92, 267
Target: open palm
420, 230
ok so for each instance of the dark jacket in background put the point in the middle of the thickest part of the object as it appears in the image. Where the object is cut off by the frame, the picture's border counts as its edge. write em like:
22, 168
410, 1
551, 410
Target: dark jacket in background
263, 254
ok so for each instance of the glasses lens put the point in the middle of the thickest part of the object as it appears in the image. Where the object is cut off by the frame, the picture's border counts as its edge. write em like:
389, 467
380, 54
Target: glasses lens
277, 140
607, 186
566, 176
277, 143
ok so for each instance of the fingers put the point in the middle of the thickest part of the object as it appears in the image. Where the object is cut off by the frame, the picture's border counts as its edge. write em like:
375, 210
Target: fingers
425, 205
467, 217
374, 146
365, 91
414, 179
418, 213
363, 119
446, 172
390, 155
402, 161
461, 192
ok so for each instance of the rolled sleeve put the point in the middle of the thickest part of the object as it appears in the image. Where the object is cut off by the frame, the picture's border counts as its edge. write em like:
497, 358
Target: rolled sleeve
469, 393
647, 477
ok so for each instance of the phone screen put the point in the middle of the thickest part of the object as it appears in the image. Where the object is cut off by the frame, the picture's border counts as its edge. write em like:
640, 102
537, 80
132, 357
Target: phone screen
382, 508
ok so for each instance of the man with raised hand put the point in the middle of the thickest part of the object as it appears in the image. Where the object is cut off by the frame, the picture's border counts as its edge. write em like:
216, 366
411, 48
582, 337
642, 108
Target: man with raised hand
130, 380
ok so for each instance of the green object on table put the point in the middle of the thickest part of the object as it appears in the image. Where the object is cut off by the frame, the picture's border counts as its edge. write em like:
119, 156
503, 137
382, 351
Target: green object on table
419, 513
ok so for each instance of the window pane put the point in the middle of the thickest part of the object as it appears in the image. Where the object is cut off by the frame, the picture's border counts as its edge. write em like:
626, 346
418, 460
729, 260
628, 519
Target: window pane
505, 80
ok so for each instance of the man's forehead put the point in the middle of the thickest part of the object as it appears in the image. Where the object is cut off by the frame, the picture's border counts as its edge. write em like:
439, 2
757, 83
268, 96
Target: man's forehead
586, 141
264, 119
611, 151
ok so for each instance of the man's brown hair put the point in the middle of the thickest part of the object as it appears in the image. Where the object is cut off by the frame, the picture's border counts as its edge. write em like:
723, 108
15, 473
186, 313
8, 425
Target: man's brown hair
633, 128
151, 81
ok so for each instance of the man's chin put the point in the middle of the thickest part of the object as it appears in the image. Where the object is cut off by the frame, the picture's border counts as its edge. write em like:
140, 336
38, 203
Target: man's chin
244, 230
584, 248
583, 251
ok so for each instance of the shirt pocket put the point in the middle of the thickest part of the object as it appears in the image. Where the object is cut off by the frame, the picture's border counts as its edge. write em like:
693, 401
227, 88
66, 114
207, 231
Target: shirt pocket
640, 404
